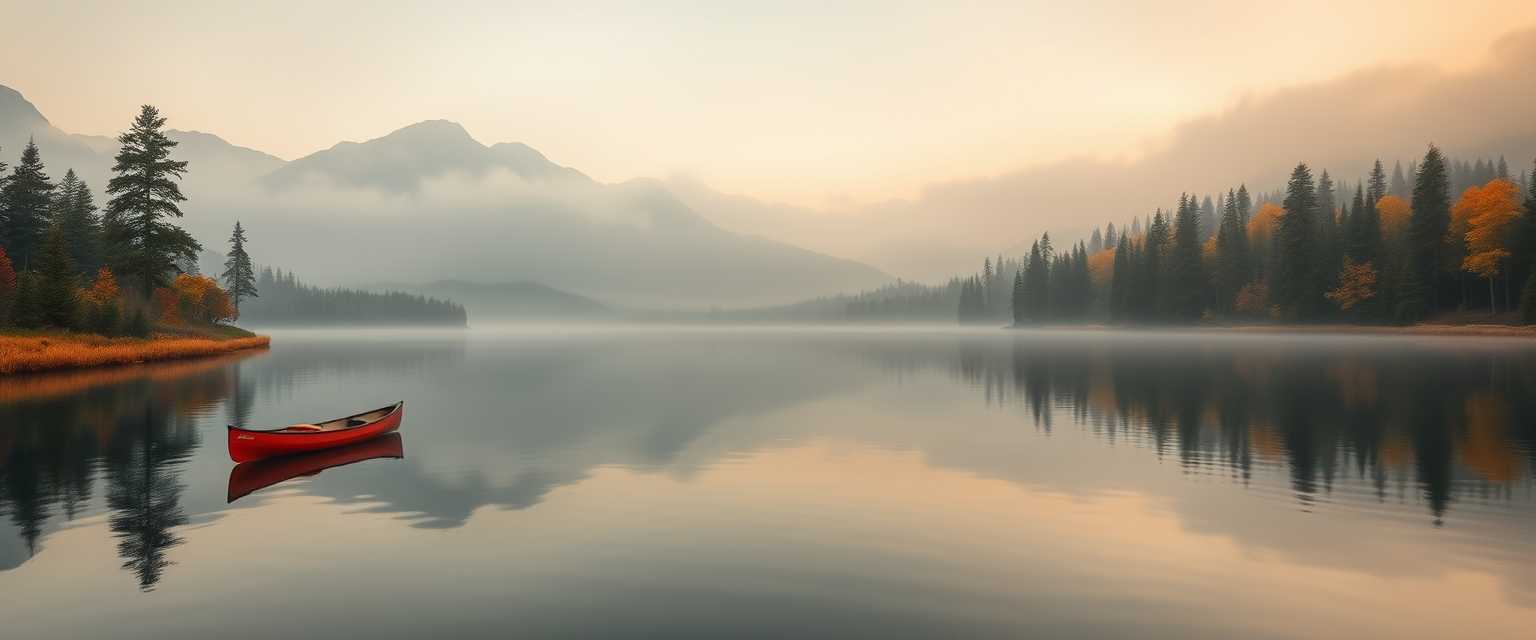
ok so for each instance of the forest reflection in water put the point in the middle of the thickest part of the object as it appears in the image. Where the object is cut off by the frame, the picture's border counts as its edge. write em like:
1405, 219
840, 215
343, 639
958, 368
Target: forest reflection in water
1453, 420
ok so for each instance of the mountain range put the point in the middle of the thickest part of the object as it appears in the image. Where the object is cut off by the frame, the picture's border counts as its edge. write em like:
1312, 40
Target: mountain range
428, 202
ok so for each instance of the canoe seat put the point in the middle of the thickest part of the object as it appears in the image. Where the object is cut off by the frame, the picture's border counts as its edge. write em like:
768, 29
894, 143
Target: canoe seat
305, 427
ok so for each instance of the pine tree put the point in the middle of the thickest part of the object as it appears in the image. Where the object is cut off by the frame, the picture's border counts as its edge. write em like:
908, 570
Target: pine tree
144, 193
1155, 301
74, 213
1244, 204
1120, 281
1378, 185
240, 274
1431, 217
25, 312
1019, 293
1399, 186
1232, 266
1187, 289
56, 284
25, 198
1294, 285
1110, 239
1096, 241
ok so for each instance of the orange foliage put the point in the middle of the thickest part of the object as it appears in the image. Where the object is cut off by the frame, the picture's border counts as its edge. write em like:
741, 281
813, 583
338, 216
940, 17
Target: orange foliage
1394, 213
1489, 215
104, 290
24, 354
1101, 267
1484, 447
1252, 299
166, 306
1357, 283
7, 275
1262, 226
200, 298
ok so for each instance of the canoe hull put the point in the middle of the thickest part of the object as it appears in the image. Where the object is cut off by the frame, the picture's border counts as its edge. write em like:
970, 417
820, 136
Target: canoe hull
245, 445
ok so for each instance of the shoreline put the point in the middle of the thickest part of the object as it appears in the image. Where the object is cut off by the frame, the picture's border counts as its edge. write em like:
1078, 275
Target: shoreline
22, 355
1423, 329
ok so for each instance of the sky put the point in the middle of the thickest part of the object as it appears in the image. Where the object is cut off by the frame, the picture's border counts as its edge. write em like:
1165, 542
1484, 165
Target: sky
822, 105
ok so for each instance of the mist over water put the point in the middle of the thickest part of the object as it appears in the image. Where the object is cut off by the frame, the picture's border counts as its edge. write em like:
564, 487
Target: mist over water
795, 481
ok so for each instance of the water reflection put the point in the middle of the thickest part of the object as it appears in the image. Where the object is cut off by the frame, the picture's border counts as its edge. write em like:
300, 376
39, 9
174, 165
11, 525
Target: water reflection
249, 477
1458, 416
508, 421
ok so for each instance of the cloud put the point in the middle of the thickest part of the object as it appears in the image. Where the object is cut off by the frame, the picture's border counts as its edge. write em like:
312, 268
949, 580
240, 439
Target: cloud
1341, 124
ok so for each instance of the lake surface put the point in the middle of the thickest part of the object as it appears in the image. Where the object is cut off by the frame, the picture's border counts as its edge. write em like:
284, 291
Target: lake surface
711, 482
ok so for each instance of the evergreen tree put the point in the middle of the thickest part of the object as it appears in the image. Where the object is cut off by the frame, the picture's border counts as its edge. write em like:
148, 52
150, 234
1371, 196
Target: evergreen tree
1244, 205
24, 199
240, 274
56, 284
1399, 183
25, 311
1431, 217
144, 193
1037, 282
1153, 292
1208, 219
1110, 239
1294, 284
1096, 241
1232, 265
1019, 292
1187, 286
74, 213
1120, 281
1378, 185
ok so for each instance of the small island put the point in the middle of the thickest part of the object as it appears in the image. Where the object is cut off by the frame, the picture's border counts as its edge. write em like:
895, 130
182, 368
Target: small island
62, 305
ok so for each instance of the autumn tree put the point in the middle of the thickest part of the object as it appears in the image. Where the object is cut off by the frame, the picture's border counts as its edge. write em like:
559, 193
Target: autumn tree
102, 302
7, 287
1490, 212
145, 194
1357, 284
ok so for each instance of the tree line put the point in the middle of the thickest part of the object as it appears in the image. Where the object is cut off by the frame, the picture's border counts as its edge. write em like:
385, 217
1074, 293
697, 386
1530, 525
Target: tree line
1445, 236
287, 300
61, 256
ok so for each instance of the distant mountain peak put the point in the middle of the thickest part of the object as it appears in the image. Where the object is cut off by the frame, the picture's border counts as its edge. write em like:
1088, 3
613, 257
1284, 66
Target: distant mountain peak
15, 109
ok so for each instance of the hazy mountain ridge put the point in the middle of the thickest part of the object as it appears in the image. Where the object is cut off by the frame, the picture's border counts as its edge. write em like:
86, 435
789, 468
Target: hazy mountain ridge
490, 301
429, 202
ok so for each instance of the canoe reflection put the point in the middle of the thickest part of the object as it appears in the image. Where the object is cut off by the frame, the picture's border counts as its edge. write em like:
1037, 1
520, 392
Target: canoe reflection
249, 477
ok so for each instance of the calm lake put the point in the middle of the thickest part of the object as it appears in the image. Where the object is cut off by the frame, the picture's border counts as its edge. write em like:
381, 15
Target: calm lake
714, 482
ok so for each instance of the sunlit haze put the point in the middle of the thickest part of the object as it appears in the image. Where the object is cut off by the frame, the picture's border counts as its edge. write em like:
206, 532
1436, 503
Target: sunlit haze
812, 103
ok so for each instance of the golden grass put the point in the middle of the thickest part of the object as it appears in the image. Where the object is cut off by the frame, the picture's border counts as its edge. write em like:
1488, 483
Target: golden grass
24, 354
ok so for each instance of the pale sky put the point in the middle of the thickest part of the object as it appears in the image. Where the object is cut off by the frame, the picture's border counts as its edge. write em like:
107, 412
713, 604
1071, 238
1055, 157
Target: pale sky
813, 103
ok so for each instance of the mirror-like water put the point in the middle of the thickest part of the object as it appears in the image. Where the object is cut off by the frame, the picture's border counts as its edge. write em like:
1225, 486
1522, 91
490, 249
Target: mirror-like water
834, 482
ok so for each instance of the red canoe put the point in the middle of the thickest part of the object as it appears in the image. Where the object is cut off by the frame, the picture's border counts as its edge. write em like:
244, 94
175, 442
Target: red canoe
247, 444
249, 477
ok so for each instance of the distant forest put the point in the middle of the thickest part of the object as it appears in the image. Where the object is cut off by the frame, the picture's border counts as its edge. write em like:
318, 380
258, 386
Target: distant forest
285, 300
1442, 237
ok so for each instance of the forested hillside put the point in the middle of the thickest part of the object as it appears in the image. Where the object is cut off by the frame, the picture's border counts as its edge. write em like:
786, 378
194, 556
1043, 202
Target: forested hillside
285, 300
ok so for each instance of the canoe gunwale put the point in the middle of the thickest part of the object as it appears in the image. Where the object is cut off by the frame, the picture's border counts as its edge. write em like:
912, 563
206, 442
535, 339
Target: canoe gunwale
282, 431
